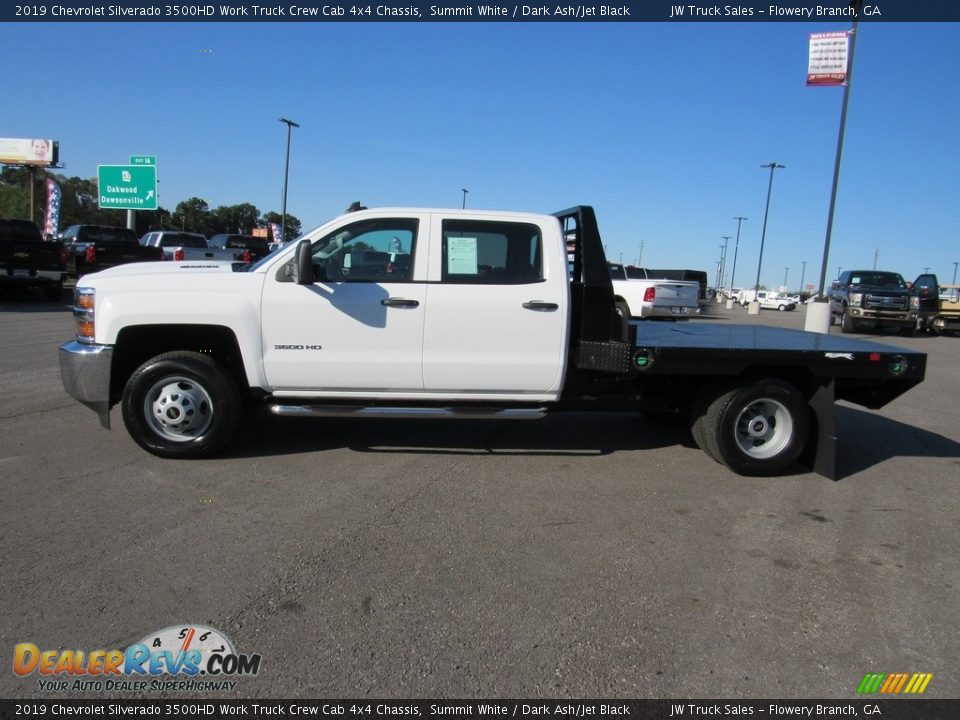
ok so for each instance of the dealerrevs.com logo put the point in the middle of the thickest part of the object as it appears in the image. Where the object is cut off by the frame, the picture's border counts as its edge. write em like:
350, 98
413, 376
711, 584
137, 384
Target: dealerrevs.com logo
180, 658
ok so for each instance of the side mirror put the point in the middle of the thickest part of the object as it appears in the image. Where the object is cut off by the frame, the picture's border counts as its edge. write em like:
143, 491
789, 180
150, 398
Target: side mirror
835, 284
303, 264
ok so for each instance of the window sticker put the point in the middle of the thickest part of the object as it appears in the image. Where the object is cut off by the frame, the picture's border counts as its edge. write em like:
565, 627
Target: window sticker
462, 256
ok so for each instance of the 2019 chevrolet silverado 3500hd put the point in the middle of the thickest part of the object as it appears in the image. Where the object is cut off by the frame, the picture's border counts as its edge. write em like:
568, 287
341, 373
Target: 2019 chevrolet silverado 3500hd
483, 319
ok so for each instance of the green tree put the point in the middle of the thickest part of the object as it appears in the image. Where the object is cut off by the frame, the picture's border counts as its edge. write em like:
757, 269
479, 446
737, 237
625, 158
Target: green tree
292, 229
236, 218
194, 215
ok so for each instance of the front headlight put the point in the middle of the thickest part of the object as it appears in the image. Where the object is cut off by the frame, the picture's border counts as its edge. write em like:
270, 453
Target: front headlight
856, 299
84, 300
914, 303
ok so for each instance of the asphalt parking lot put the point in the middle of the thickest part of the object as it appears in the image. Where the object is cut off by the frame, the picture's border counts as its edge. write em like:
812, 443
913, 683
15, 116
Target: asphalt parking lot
575, 556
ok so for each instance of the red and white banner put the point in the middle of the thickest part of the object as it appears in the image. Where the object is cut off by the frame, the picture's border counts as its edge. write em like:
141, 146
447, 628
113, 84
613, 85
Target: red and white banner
827, 64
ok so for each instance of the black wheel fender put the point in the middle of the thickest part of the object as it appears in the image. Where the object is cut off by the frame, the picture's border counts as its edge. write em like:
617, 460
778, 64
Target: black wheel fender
759, 428
181, 405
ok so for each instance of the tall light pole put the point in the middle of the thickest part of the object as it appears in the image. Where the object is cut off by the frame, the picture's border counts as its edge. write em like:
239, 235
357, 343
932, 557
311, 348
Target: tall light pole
955, 273
640, 256
286, 174
763, 234
736, 248
855, 4
723, 262
785, 273
464, 191
803, 273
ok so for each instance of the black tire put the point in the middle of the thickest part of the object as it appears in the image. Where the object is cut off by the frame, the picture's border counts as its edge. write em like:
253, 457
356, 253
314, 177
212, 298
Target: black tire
847, 325
53, 293
698, 418
623, 310
907, 330
757, 429
181, 405
781, 308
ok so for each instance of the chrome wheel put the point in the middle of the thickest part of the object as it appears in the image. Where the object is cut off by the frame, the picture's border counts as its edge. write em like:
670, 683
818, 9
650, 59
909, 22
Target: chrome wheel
764, 428
178, 408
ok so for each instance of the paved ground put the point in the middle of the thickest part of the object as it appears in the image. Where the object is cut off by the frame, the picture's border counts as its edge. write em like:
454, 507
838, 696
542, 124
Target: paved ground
577, 556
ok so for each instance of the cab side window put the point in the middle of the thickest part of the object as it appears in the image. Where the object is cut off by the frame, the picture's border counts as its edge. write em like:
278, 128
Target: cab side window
378, 250
491, 253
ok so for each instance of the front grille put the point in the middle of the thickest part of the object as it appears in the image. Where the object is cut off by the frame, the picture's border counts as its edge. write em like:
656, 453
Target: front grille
884, 302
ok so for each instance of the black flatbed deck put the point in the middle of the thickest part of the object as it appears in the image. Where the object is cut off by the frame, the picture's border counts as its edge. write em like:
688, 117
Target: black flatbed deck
704, 348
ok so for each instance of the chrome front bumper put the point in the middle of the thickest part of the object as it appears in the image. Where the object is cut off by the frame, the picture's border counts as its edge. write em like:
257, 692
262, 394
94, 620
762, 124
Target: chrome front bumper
85, 372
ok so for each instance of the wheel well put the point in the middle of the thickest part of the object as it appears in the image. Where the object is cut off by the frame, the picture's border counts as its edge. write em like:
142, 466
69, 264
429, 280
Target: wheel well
135, 345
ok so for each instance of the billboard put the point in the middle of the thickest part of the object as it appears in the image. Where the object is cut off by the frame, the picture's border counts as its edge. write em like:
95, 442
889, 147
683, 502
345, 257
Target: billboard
827, 62
30, 151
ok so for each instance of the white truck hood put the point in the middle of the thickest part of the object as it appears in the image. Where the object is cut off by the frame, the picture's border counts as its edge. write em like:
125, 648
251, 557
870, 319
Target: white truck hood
164, 267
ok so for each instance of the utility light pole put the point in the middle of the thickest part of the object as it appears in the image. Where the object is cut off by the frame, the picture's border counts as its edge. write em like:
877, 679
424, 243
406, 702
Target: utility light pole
723, 262
286, 174
763, 235
736, 248
464, 191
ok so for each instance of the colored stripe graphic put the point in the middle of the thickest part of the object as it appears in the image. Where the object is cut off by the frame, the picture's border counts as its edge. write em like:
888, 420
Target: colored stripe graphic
894, 683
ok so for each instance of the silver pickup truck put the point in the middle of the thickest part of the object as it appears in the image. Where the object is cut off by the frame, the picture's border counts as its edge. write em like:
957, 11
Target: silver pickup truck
188, 246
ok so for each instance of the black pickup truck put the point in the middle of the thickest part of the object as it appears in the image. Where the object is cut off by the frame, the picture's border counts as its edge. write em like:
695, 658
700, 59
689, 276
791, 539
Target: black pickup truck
879, 298
92, 248
26, 260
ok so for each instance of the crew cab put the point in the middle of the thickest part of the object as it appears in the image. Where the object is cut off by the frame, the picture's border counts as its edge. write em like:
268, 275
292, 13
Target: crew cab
92, 248
638, 296
29, 261
179, 245
486, 321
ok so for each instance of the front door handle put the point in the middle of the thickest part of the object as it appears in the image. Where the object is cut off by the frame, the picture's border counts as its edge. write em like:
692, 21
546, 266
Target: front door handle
399, 302
540, 305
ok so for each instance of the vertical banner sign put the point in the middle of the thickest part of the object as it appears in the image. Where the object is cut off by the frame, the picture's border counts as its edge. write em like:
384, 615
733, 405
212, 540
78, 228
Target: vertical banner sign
827, 63
52, 217
275, 229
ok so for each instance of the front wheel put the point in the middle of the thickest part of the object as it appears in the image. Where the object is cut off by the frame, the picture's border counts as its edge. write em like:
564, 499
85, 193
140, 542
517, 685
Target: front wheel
757, 429
181, 405
847, 325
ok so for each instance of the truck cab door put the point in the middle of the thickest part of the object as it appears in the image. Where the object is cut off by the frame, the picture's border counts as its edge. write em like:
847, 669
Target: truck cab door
497, 310
927, 291
356, 329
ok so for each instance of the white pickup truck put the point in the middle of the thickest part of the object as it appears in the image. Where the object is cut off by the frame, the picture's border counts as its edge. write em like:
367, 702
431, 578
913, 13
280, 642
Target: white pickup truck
477, 315
639, 296
178, 245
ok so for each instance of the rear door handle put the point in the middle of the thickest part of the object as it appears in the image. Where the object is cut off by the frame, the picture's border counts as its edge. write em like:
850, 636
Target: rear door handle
540, 305
399, 302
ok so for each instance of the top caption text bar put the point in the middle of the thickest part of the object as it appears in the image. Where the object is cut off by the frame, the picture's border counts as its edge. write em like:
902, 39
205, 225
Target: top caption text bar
438, 11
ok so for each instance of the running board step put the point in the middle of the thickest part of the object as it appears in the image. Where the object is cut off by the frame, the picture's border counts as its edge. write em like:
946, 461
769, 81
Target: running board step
465, 413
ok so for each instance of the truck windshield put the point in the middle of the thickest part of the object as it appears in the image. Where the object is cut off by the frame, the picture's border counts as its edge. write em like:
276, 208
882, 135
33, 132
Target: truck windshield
879, 279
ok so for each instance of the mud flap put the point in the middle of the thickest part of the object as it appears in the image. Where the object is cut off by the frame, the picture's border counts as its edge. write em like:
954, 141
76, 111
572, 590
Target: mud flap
820, 455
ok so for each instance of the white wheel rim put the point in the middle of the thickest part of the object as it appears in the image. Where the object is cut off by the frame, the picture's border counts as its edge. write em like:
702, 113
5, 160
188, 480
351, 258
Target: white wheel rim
178, 408
764, 428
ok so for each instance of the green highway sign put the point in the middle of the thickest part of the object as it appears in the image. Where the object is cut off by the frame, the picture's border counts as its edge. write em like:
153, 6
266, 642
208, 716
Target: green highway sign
127, 187
143, 159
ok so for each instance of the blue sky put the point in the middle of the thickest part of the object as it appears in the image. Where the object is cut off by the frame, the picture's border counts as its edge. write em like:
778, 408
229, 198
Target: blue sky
661, 127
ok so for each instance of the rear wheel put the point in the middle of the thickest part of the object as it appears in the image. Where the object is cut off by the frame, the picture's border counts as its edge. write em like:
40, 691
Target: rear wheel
781, 308
181, 405
623, 310
757, 429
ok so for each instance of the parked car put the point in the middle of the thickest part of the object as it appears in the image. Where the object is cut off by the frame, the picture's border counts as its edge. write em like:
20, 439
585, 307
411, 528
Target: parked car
251, 248
770, 300
178, 245
27, 260
91, 248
